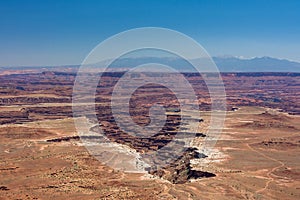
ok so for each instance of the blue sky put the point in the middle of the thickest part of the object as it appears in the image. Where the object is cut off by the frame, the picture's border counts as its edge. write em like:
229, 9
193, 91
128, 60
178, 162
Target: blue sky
59, 32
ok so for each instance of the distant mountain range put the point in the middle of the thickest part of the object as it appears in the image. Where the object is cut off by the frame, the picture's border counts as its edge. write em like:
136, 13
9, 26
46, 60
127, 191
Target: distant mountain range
257, 64
224, 64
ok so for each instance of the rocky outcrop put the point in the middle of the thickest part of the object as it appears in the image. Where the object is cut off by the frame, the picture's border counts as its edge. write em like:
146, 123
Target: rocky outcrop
32, 100
14, 117
180, 171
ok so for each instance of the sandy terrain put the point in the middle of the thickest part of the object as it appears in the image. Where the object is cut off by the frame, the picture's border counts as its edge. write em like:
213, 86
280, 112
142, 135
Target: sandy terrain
256, 157
32, 168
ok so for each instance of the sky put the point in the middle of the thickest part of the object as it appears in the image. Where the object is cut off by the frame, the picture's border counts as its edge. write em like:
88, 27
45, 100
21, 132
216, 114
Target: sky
63, 32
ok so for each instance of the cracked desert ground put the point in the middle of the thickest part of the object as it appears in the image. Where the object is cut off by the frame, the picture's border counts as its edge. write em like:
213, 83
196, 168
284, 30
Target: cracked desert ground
256, 157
